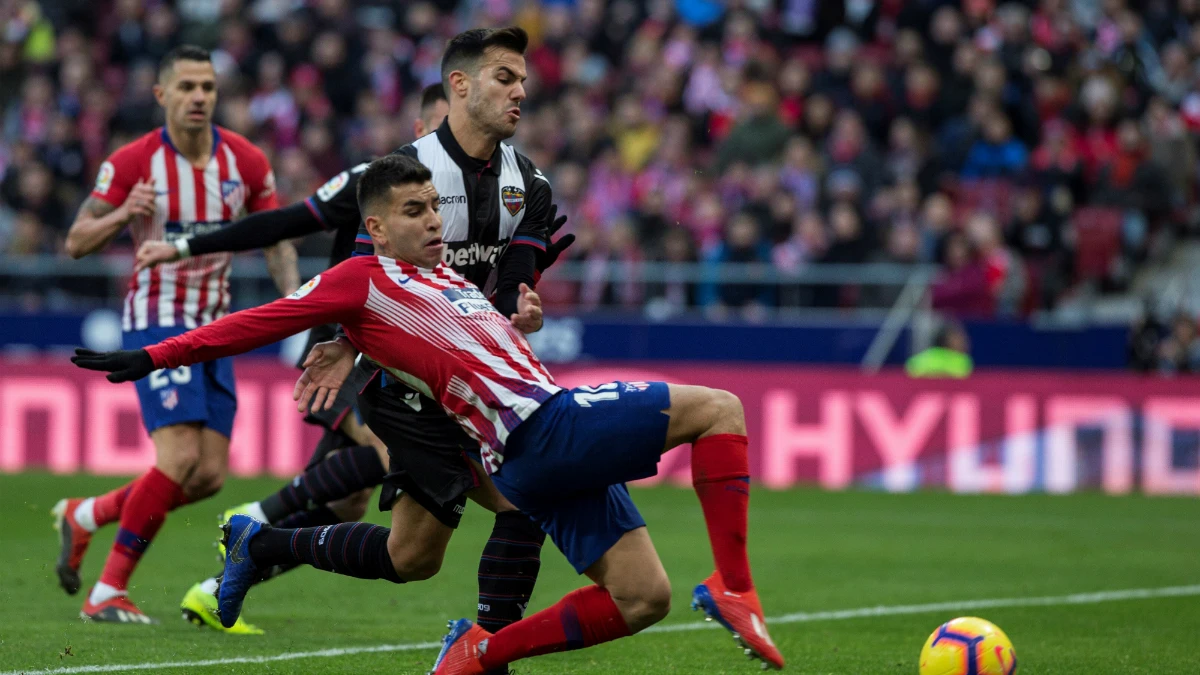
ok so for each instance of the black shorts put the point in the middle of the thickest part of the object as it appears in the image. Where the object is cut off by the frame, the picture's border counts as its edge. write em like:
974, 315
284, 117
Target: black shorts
428, 452
347, 399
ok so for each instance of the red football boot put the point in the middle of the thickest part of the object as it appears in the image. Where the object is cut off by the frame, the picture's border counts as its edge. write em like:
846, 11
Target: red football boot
119, 609
461, 649
741, 613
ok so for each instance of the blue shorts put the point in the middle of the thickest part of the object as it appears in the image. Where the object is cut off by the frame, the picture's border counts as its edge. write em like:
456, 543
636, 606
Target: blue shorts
567, 465
203, 392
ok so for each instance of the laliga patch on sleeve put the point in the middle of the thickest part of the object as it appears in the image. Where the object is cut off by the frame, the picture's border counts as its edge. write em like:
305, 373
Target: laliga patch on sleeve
268, 185
105, 177
306, 288
334, 186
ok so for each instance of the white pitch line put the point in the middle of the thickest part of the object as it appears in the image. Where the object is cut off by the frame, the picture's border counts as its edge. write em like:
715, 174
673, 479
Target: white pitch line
799, 617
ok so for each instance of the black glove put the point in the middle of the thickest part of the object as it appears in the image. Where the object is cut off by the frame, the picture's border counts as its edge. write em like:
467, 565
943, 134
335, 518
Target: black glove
122, 366
555, 249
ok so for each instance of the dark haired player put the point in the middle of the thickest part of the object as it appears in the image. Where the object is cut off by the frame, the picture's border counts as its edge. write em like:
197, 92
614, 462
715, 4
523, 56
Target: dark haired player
184, 178
563, 456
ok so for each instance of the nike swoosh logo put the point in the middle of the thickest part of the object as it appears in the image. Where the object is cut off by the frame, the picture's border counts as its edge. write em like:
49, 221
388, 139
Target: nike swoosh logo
235, 555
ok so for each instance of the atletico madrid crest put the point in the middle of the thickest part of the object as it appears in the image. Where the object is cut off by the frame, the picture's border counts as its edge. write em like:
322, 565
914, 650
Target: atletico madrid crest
513, 198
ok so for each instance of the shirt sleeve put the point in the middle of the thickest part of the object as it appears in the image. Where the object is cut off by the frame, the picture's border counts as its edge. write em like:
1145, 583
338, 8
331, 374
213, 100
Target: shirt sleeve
260, 181
337, 295
534, 229
335, 203
258, 230
117, 176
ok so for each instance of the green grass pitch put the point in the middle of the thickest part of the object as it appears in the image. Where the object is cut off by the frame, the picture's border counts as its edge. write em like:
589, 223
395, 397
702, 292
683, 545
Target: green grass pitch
812, 552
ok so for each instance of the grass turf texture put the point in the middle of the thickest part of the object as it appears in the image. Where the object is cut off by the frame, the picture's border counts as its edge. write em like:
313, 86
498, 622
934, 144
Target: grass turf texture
812, 551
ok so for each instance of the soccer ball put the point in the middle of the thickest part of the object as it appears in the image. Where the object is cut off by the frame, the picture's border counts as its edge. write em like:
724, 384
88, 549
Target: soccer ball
968, 646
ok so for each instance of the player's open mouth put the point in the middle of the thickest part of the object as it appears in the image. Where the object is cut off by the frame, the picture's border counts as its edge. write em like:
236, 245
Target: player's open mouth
516, 113
435, 243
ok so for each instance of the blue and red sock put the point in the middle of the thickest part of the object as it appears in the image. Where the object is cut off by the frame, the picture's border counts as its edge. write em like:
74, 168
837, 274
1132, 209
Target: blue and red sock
142, 515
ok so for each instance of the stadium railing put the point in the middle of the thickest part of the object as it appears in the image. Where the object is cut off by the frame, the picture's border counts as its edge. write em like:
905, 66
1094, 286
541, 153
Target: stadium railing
870, 288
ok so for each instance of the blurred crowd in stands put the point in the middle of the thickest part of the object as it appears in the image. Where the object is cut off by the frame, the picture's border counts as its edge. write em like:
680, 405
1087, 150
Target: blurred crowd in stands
1036, 149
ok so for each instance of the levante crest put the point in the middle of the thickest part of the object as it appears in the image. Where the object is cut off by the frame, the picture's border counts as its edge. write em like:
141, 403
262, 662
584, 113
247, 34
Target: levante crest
513, 198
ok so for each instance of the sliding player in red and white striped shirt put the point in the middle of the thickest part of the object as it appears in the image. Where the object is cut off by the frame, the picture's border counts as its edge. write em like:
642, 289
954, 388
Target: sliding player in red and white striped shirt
185, 178
562, 457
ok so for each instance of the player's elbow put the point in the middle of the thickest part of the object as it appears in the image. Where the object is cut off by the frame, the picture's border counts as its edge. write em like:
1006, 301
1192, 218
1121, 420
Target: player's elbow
73, 247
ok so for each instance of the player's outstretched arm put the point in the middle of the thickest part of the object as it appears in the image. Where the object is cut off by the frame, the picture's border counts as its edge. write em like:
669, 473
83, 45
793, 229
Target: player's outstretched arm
99, 222
257, 230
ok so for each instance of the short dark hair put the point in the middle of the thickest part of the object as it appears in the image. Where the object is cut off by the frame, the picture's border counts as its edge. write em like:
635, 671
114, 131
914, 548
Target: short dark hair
431, 95
384, 174
182, 53
464, 50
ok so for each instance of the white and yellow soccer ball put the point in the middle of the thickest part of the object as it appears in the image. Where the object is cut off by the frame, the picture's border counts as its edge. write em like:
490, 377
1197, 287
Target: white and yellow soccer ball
968, 646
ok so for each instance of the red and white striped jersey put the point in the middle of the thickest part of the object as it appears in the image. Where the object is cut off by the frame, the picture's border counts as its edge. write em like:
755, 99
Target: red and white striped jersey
430, 328
190, 201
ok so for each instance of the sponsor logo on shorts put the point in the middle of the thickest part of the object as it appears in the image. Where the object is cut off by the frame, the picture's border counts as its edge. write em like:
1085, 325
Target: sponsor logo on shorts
460, 509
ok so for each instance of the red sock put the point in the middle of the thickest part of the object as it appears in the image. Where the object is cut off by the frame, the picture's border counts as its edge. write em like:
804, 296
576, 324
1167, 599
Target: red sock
153, 495
107, 507
583, 618
721, 476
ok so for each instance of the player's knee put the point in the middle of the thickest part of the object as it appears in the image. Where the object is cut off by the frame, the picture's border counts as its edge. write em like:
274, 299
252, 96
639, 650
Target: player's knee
202, 484
353, 507
728, 416
181, 461
413, 565
652, 604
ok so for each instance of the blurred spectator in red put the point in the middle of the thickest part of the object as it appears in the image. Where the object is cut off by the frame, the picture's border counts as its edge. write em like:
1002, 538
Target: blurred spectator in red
1003, 269
962, 287
1131, 180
